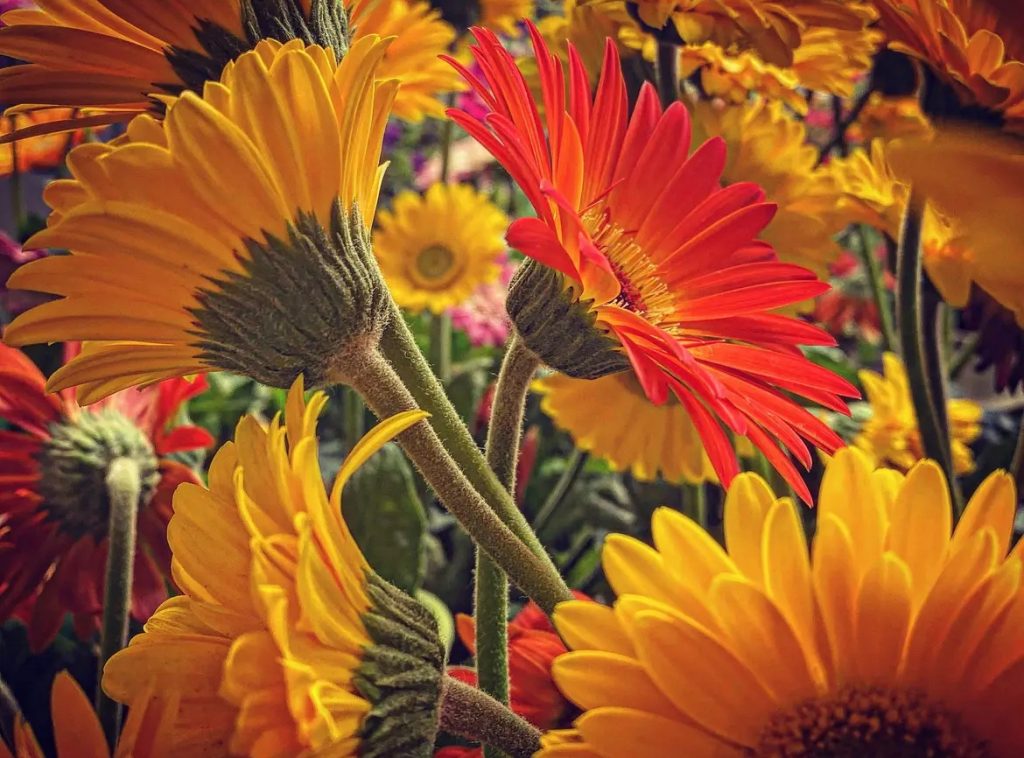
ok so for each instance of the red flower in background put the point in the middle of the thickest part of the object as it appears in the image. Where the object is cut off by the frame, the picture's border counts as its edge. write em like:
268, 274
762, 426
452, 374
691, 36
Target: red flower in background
53, 506
533, 646
663, 259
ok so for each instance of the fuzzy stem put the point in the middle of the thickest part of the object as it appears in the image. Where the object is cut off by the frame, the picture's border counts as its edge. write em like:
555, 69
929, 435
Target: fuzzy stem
876, 280
668, 73
441, 346
491, 590
469, 713
399, 346
386, 395
695, 503
124, 488
909, 274
1017, 466
10, 714
562, 487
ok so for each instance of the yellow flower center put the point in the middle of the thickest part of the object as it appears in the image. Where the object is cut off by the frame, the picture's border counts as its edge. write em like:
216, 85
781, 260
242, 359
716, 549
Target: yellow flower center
643, 291
869, 721
434, 265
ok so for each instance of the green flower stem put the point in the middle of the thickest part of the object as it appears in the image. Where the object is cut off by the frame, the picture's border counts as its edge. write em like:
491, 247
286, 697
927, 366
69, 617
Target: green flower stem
9, 715
124, 488
491, 589
399, 346
1017, 466
695, 503
562, 488
441, 346
386, 395
668, 73
469, 713
933, 325
909, 274
876, 281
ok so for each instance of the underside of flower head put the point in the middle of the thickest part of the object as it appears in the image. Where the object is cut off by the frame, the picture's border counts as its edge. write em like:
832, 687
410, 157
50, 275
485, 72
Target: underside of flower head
113, 58
661, 260
232, 235
284, 641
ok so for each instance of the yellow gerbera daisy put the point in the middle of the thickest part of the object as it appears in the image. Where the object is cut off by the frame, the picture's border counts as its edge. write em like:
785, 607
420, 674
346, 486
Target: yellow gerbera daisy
113, 59
435, 249
77, 731
773, 29
283, 641
887, 118
893, 638
986, 198
768, 147
975, 47
419, 37
967, 224
891, 437
827, 60
657, 440
233, 235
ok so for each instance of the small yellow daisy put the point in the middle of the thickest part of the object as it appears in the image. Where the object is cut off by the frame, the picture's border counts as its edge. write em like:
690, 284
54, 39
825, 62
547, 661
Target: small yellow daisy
435, 249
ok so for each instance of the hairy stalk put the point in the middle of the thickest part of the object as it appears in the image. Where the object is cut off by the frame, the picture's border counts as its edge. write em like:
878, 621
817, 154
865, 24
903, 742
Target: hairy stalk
441, 346
876, 280
491, 590
909, 274
694, 502
467, 712
668, 73
399, 346
385, 393
562, 487
124, 488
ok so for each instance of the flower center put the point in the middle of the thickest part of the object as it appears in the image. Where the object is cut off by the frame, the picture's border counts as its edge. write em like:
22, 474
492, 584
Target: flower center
869, 721
434, 263
643, 291
74, 465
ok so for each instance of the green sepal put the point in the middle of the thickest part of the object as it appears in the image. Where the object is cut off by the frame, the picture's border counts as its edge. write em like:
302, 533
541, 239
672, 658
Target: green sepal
558, 327
400, 674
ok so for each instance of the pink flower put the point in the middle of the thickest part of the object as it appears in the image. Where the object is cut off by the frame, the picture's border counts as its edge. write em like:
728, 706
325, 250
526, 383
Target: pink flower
482, 317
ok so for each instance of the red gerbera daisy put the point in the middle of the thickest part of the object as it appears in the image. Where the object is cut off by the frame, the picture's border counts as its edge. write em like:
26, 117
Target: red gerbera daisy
663, 261
53, 507
533, 645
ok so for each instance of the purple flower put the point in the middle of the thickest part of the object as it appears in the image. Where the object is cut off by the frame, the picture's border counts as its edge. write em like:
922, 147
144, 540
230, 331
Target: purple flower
12, 257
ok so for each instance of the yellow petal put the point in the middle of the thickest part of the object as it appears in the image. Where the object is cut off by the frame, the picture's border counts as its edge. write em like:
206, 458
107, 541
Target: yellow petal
921, 523
882, 619
993, 505
746, 506
595, 679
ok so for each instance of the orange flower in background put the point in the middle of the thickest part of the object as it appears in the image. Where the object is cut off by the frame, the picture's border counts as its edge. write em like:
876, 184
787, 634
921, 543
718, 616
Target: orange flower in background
662, 260
77, 731
44, 151
977, 48
771, 28
53, 506
533, 646
114, 59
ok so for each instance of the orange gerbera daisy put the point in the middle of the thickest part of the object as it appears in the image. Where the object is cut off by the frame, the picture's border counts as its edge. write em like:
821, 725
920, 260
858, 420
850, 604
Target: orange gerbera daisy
53, 506
976, 48
117, 58
647, 262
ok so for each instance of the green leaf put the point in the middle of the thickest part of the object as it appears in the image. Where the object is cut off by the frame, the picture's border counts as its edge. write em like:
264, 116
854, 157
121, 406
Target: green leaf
386, 517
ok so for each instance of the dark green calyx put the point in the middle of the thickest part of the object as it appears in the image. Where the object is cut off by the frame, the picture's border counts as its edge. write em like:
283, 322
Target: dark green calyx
401, 675
461, 14
558, 327
282, 20
308, 304
73, 469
